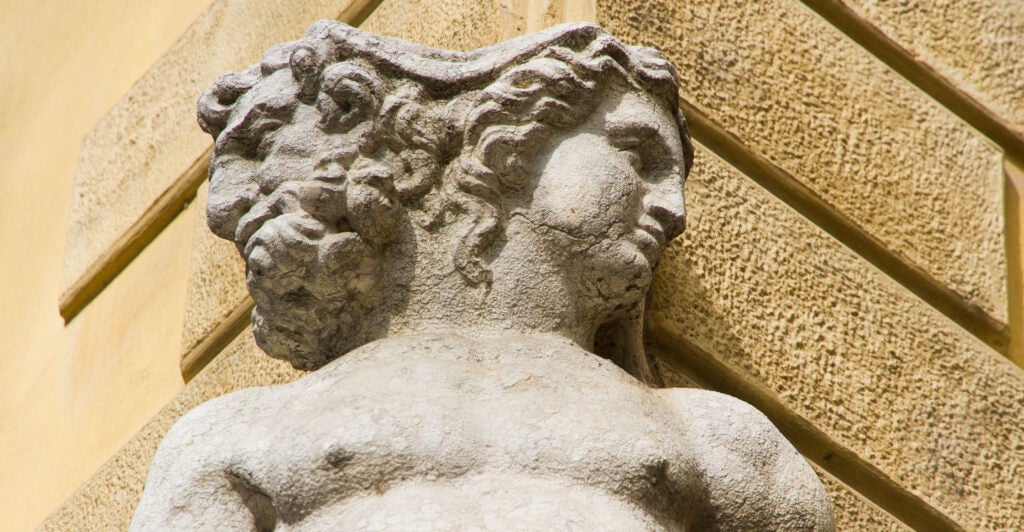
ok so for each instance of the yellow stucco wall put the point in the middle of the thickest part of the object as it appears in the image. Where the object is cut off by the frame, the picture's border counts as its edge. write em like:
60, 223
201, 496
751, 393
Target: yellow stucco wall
72, 396
852, 265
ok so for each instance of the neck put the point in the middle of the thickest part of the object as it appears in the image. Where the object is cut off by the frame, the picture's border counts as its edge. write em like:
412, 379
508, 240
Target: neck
530, 294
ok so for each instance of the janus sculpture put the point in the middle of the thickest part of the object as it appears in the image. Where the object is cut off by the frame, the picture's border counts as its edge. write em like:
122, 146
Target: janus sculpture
459, 246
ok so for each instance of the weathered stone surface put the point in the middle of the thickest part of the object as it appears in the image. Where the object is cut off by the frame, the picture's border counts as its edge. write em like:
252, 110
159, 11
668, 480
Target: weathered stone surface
844, 347
216, 283
447, 24
798, 91
154, 122
977, 45
506, 455
451, 240
852, 512
108, 499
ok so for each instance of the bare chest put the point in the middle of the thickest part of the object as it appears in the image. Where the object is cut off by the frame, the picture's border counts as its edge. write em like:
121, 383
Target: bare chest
367, 432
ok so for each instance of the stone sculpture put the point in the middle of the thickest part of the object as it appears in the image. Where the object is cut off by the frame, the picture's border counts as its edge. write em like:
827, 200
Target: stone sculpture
468, 230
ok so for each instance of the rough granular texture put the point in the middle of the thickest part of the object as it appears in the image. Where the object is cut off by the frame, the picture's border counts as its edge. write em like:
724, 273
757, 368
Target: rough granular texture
447, 24
976, 45
107, 501
796, 90
216, 284
854, 513
845, 347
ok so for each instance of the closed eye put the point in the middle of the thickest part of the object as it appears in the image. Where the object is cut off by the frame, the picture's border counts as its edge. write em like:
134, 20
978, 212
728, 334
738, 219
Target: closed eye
634, 157
641, 140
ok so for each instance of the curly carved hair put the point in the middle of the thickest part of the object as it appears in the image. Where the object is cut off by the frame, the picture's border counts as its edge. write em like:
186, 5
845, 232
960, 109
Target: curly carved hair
525, 106
391, 127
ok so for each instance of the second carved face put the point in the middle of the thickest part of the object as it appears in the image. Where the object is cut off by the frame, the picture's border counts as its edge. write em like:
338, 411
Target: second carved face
609, 193
336, 151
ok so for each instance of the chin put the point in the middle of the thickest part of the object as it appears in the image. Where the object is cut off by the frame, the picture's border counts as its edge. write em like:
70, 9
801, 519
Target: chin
623, 274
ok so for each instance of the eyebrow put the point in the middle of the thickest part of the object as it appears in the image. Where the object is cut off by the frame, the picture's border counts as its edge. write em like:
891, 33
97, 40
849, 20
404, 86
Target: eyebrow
639, 131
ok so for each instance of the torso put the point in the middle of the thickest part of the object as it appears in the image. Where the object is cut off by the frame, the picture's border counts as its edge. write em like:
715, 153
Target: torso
444, 431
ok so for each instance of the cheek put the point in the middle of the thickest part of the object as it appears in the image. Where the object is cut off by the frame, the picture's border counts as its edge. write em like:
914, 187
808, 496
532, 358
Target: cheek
586, 187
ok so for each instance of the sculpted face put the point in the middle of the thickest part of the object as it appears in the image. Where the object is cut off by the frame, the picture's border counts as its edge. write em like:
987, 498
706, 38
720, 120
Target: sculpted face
609, 193
306, 209
368, 185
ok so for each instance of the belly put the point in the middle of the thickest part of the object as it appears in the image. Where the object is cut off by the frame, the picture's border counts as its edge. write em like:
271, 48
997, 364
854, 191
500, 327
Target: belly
481, 502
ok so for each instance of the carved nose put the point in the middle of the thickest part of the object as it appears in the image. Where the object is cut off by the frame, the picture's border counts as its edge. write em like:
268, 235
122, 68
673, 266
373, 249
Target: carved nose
665, 203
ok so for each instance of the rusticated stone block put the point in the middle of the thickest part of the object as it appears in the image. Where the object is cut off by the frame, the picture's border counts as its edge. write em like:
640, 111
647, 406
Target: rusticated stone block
795, 89
448, 24
107, 500
149, 138
216, 281
976, 45
852, 512
846, 348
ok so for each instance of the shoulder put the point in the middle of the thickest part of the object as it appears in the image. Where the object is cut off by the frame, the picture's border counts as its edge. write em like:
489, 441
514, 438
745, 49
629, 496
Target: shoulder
718, 415
221, 415
191, 477
753, 475
207, 436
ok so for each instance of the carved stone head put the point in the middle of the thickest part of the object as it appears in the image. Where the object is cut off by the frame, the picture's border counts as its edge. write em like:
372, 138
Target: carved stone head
363, 178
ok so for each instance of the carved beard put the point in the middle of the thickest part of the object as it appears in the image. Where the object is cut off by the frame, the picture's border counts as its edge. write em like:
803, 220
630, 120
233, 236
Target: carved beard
313, 293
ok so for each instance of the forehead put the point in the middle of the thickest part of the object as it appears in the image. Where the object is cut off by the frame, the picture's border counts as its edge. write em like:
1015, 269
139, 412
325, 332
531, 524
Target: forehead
273, 95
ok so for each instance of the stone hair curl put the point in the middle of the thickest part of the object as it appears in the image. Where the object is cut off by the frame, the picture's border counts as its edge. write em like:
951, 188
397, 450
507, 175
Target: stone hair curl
389, 124
525, 106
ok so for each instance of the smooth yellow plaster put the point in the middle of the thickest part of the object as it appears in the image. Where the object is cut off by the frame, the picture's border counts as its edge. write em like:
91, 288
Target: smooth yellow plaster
62, 65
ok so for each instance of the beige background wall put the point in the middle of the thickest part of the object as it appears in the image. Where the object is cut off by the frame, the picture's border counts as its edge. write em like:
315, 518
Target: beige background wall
852, 264
72, 396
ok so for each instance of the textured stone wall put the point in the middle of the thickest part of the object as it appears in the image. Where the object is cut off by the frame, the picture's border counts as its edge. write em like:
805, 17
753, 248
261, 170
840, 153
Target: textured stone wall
852, 264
